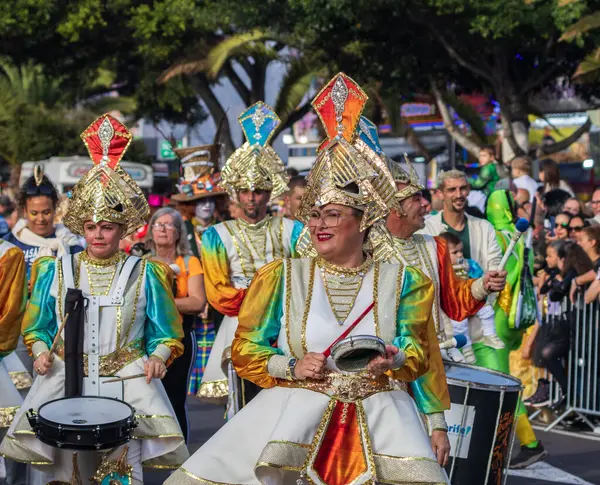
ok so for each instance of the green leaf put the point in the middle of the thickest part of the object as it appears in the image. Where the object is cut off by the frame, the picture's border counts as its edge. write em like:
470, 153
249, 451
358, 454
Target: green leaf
585, 24
588, 72
294, 86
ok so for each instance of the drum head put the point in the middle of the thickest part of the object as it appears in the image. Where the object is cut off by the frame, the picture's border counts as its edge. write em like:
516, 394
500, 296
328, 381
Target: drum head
85, 411
480, 378
354, 353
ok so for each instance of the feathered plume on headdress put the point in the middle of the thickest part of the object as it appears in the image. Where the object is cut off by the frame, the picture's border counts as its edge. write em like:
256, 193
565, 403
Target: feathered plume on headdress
255, 165
106, 192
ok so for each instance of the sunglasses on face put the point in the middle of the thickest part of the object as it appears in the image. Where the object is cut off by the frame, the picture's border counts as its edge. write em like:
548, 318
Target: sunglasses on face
576, 228
564, 225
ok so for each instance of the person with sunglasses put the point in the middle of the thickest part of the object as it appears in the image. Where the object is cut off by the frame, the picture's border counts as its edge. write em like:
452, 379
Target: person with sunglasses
576, 225
36, 234
560, 231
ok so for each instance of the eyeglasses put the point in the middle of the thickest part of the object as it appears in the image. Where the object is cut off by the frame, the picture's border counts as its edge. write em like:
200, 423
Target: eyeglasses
330, 219
167, 226
594, 202
576, 228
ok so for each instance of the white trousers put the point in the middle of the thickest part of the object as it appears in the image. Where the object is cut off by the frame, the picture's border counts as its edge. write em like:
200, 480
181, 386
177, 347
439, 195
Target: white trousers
486, 317
89, 461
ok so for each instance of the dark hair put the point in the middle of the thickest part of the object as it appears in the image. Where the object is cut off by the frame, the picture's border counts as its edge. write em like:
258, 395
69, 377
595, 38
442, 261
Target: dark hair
490, 149
297, 181
554, 200
575, 258
31, 189
551, 173
593, 232
426, 193
292, 172
450, 238
582, 217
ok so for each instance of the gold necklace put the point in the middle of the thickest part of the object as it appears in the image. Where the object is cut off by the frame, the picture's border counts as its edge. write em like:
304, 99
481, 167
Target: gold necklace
101, 273
342, 286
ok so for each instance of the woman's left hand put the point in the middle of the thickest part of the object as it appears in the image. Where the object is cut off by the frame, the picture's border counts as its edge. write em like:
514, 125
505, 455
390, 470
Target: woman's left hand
381, 364
154, 368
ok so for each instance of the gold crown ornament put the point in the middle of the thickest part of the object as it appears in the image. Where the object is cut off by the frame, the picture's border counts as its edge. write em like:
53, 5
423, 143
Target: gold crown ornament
410, 178
255, 165
106, 192
342, 174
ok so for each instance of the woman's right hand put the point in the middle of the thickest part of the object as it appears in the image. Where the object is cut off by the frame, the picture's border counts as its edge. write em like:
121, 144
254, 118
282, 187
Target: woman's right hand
312, 365
43, 363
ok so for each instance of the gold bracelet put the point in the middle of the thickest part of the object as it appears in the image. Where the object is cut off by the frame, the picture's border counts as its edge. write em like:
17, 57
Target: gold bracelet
159, 358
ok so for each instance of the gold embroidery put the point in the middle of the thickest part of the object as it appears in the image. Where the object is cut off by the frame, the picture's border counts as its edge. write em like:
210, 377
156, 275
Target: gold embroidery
288, 304
362, 422
112, 363
7, 415
138, 290
345, 387
214, 392
376, 298
311, 283
21, 379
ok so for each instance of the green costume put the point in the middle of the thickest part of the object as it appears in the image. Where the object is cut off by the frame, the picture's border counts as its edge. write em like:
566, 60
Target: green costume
500, 211
487, 180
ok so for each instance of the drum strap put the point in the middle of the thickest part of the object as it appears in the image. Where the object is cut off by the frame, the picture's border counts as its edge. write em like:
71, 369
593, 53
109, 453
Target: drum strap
327, 352
92, 327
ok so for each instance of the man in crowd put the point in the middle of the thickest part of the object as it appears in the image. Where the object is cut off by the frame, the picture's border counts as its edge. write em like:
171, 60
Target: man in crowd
477, 235
297, 187
596, 204
233, 251
521, 173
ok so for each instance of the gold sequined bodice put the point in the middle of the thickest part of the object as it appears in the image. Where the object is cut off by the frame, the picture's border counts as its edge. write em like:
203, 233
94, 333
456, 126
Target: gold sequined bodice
342, 286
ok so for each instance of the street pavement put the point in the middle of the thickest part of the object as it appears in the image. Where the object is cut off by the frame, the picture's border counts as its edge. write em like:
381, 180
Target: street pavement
573, 460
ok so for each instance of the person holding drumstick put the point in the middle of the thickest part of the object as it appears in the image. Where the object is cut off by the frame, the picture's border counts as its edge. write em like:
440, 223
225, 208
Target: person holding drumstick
127, 308
313, 423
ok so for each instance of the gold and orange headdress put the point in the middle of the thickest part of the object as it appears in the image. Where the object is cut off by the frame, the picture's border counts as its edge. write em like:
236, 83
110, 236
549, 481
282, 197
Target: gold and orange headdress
106, 192
255, 165
344, 163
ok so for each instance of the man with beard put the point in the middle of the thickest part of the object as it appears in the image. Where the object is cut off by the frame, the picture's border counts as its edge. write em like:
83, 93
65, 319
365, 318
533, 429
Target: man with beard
479, 243
233, 251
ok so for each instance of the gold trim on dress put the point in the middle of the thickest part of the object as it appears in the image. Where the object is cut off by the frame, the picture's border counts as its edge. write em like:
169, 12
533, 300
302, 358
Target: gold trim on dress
7, 415
214, 392
346, 387
21, 379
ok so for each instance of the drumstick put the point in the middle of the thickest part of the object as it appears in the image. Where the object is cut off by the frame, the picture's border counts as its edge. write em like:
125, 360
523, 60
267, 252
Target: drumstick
120, 379
56, 338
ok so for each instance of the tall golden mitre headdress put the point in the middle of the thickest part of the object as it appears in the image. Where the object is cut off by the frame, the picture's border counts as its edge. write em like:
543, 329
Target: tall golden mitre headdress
107, 192
346, 171
256, 165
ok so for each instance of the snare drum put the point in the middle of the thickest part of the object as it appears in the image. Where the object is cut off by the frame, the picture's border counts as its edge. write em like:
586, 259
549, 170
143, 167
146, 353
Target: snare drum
480, 424
83, 423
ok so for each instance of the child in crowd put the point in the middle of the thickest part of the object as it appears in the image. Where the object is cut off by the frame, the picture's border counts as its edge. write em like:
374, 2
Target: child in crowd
467, 268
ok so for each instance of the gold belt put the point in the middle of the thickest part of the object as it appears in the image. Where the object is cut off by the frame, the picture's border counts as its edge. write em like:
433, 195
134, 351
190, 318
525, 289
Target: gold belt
346, 387
112, 363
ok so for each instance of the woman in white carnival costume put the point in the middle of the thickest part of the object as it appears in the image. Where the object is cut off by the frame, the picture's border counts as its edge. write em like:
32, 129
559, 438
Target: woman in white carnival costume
139, 325
313, 423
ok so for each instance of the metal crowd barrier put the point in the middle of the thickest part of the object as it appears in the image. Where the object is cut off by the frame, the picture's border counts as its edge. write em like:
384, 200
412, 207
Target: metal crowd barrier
582, 363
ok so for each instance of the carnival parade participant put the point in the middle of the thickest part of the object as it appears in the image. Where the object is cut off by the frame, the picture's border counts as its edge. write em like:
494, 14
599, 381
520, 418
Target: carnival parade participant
36, 234
13, 294
479, 243
508, 307
430, 255
138, 331
314, 423
198, 193
167, 241
233, 251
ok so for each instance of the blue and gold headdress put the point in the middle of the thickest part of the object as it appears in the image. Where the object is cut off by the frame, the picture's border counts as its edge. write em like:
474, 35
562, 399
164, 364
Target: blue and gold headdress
255, 165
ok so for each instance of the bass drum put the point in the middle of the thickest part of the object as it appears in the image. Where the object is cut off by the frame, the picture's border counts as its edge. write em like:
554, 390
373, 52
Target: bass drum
480, 424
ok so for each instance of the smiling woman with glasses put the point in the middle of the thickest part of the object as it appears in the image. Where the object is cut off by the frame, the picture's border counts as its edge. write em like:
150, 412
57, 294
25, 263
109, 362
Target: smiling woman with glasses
36, 233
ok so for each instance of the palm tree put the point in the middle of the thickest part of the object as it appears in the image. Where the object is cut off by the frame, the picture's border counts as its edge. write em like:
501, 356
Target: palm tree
249, 54
588, 70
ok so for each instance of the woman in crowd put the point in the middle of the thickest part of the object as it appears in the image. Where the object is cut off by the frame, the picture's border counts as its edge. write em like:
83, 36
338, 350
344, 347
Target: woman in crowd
36, 234
589, 240
573, 206
561, 228
167, 239
312, 423
576, 225
550, 177
138, 327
